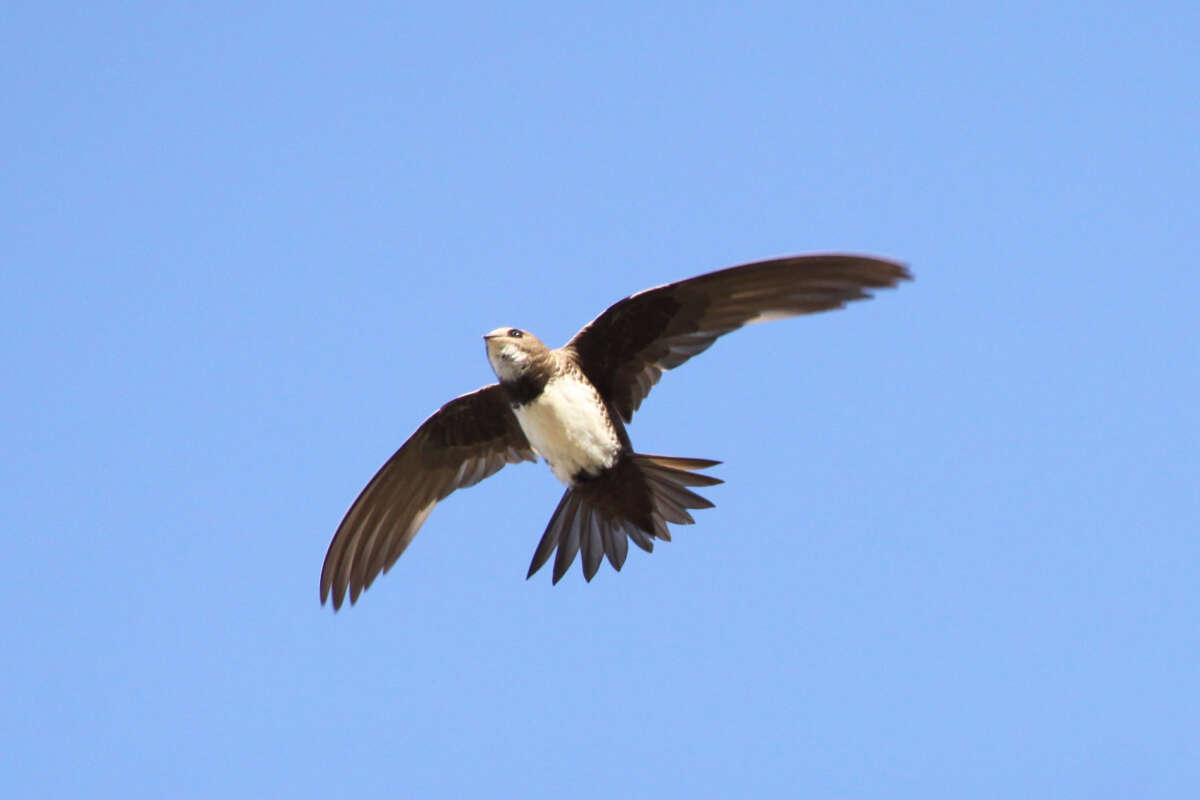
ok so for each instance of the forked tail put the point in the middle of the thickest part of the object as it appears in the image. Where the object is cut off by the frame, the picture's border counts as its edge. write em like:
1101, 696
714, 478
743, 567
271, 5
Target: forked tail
633, 499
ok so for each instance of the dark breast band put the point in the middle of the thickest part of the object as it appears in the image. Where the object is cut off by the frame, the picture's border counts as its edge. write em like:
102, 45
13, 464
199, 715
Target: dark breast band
524, 390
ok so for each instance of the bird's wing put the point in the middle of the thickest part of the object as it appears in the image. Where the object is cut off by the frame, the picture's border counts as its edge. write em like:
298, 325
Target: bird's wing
465, 441
625, 350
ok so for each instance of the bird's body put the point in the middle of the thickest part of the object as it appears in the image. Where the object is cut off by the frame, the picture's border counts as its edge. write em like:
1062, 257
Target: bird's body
569, 426
570, 406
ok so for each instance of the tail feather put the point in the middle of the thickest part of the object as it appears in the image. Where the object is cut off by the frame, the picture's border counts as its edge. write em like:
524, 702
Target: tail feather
550, 538
679, 467
569, 534
616, 547
592, 546
635, 499
675, 497
641, 539
671, 511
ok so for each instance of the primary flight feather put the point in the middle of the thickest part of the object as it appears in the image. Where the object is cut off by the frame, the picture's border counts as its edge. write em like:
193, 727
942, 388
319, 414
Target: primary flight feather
570, 405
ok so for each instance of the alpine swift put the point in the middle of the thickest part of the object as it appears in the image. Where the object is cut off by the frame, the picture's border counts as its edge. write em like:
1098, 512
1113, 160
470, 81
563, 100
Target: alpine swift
570, 407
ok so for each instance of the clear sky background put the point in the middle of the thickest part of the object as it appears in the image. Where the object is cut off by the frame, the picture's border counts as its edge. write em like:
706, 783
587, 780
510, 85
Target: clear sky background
247, 249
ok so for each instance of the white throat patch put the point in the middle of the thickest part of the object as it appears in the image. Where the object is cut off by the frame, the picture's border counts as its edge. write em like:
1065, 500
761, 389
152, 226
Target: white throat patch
508, 362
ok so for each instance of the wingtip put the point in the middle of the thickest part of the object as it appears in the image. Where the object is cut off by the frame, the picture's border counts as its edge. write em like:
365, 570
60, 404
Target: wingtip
331, 595
887, 271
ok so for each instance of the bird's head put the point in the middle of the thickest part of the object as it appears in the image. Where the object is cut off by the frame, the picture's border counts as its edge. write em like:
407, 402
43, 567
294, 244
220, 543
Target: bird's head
513, 352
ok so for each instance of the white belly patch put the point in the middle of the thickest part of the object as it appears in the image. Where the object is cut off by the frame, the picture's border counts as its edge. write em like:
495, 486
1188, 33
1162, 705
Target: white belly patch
568, 426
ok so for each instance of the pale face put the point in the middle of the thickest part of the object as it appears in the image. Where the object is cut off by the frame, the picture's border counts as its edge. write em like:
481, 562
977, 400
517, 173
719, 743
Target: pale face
509, 350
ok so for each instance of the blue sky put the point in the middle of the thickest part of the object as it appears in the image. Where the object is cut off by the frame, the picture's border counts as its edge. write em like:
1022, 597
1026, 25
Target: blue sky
246, 250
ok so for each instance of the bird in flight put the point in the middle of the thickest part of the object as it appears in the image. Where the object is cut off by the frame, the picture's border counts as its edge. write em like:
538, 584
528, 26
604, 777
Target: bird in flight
570, 406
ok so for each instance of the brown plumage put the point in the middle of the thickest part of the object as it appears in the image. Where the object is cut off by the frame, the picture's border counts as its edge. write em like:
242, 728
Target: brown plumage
570, 405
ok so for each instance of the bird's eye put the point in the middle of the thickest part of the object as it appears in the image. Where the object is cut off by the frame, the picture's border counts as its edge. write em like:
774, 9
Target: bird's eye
514, 333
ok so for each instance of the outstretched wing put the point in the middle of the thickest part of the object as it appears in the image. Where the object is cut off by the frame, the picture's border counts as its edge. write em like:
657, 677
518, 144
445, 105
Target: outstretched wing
625, 350
465, 441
